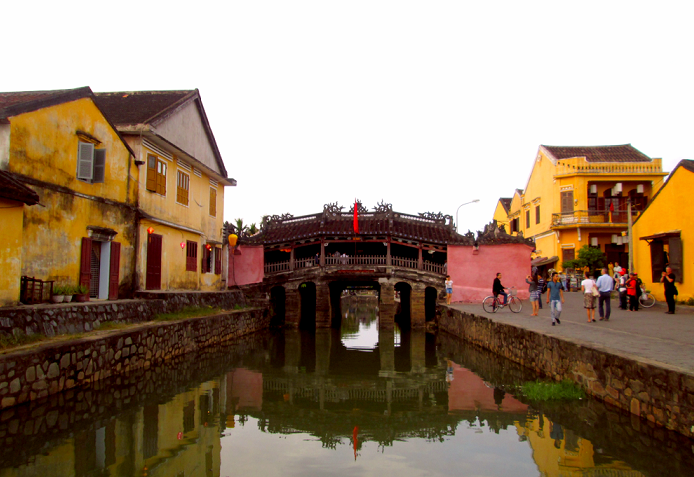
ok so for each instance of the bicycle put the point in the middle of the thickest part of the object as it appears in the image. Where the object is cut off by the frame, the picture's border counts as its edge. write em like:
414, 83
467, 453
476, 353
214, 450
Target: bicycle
491, 303
646, 299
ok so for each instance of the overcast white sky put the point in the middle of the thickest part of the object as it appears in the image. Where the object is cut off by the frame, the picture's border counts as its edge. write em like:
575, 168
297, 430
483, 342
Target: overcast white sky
425, 105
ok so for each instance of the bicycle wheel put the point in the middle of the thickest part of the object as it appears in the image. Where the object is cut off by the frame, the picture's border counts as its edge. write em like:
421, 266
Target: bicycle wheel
489, 304
646, 300
515, 304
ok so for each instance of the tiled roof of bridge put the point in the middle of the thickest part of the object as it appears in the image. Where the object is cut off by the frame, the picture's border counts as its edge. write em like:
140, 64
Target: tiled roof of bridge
341, 225
620, 153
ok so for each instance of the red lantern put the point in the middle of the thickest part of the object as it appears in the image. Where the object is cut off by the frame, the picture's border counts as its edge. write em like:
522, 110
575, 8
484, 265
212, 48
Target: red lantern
150, 230
183, 245
208, 246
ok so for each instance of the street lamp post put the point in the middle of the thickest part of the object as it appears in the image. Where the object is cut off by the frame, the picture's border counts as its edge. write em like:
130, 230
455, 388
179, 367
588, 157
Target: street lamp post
456, 212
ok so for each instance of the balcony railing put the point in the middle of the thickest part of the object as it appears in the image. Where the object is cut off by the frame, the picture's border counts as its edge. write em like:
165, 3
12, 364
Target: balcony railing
592, 217
368, 260
580, 166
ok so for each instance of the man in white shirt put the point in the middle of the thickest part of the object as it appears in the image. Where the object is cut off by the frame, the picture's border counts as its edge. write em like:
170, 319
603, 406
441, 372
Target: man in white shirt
617, 270
605, 285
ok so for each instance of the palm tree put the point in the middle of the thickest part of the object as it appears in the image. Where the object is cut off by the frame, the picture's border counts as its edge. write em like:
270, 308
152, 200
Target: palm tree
252, 229
240, 228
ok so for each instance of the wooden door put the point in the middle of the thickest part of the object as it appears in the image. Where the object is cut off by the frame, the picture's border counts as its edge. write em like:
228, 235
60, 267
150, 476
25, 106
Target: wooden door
114, 271
86, 262
153, 280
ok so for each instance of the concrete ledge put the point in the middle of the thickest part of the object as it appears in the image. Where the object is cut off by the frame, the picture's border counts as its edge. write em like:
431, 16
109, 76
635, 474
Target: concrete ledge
661, 394
35, 372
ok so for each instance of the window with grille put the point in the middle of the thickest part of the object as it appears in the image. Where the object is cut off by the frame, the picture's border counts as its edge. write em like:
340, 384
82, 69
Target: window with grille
156, 174
213, 202
182, 187
191, 256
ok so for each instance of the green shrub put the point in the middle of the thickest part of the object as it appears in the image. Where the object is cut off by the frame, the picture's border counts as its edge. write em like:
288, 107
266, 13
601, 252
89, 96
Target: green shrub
548, 390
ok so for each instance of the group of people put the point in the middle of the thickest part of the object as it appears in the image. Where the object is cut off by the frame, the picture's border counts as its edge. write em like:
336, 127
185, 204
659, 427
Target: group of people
537, 286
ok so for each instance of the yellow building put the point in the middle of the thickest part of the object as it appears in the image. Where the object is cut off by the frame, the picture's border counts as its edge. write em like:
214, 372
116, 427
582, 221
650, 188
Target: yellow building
501, 213
578, 196
663, 233
82, 231
14, 198
180, 188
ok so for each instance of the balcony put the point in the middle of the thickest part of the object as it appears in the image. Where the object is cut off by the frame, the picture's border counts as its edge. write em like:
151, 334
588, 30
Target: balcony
579, 218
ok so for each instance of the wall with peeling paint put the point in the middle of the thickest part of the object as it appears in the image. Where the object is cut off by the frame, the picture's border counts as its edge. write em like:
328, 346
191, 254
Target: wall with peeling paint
43, 149
11, 214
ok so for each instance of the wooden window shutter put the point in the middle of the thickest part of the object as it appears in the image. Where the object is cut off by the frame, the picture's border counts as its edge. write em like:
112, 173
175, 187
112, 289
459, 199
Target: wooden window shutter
217, 261
213, 202
675, 256
657, 260
191, 256
86, 262
182, 187
99, 166
161, 177
527, 219
114, 271
85, 160
151, 173
537, 214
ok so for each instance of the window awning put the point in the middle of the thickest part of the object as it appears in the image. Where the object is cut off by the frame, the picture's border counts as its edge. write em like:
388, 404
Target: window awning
672, 233
538, 262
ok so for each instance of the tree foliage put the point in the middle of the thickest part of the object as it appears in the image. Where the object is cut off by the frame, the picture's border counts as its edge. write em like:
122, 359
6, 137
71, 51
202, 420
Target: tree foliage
590, 257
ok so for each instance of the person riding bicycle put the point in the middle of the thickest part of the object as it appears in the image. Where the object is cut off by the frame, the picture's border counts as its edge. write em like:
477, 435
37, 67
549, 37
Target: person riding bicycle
498, 289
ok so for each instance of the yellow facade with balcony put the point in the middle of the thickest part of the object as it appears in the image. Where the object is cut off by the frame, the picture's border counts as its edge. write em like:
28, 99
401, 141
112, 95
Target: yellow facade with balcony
578, 196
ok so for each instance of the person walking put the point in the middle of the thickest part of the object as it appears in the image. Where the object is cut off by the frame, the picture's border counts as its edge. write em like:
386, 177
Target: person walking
668, 281
542, 286
534, 292
605, 285
587, 287
622, 290
555, 298
449, 289
631, 293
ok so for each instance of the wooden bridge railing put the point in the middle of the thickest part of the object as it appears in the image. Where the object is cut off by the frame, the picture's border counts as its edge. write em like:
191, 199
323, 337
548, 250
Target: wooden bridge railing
369, 260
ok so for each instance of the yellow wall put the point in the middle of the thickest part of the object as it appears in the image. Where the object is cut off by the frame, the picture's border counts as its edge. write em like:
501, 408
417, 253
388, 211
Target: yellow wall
667, 213
501, 216
545, 184
11, 215
43, 146
192, 217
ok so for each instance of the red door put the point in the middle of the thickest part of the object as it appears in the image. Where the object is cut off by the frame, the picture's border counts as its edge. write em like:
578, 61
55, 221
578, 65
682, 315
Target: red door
114, 271
153, 280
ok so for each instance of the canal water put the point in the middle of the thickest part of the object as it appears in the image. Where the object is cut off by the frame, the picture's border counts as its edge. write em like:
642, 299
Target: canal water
335, 402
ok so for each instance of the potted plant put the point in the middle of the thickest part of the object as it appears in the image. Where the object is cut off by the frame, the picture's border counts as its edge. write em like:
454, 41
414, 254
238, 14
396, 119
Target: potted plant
58, 294
81, 293
68, 291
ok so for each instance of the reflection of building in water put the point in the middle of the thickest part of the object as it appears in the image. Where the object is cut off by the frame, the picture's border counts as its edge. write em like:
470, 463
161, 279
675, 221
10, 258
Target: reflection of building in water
558, 451
468, 392
178, 438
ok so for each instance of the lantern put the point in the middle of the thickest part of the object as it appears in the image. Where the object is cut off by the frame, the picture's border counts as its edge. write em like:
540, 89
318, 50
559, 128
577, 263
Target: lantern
150, 230
183, 245
232, 239
208, 246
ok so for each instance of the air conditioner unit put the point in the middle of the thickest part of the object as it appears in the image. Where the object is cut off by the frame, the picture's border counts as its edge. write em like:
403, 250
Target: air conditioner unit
594, 241
594, 189
639, 189
618, 188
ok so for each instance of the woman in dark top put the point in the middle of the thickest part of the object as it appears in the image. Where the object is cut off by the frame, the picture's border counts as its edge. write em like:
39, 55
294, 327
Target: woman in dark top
668, 280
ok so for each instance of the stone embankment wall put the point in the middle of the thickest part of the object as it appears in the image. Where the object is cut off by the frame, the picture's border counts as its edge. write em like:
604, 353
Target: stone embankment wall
660, 395
50, 368
55, 319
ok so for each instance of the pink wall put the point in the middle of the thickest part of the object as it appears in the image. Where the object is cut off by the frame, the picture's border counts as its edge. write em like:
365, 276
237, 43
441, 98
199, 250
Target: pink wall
246, 268
474, 273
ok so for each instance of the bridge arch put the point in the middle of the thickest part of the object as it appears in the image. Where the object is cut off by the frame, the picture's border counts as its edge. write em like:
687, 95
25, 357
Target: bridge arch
403, 306
278, 306
307, 299
430, 298
337, 288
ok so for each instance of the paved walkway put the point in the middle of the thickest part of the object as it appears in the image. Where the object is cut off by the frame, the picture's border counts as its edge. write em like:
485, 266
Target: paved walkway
649, 335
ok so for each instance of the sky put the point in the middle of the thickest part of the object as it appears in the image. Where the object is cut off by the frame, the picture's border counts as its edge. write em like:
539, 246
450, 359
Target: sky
423, 105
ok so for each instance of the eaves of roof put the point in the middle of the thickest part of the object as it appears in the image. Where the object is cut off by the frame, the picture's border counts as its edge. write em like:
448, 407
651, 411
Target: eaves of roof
11, 188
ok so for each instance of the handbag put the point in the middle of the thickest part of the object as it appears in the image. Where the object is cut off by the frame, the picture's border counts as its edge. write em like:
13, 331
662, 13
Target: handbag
594, 291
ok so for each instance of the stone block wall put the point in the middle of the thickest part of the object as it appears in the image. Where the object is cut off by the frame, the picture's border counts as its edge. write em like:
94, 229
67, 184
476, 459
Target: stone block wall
63, 318
50, 368
656, 393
